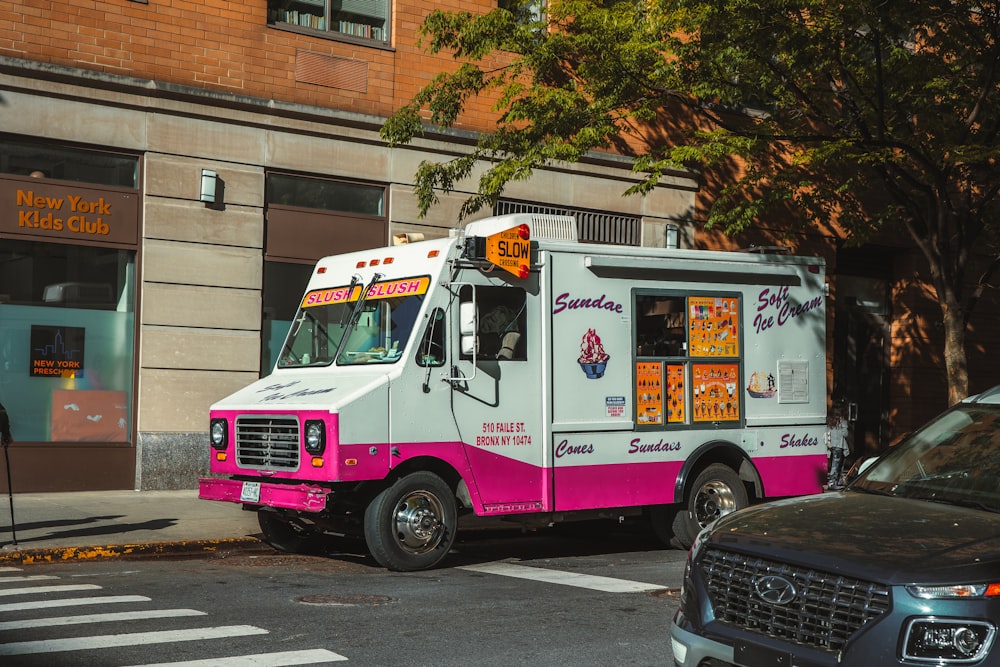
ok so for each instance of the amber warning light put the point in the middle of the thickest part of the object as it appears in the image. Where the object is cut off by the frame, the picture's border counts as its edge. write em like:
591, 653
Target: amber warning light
511, 250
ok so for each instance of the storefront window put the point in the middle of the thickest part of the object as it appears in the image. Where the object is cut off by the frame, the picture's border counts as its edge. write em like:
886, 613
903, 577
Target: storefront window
67, 325
309, 218
284, 283
68, 164
328, 195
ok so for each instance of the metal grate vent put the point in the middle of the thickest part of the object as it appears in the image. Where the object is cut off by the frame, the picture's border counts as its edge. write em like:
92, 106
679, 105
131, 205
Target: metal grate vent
331, 71
267, 442
825, 611
592, 226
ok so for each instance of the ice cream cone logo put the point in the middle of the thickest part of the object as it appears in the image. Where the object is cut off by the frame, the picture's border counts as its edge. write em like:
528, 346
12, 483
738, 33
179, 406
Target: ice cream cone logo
593, 359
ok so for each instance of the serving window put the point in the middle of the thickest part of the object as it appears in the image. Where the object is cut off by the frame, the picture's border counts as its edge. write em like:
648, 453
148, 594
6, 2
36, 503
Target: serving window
687, 354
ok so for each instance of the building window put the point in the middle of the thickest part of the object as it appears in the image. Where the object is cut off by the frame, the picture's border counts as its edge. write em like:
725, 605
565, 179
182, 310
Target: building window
325, 194
355, 19
526, 11
67, 324
309, 218
68, 164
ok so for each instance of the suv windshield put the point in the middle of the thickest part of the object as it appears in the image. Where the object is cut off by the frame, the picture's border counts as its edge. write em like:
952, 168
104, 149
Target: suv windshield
339, 324
955, 459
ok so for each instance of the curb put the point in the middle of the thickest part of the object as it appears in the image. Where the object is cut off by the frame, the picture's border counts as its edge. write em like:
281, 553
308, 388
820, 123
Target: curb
188, 548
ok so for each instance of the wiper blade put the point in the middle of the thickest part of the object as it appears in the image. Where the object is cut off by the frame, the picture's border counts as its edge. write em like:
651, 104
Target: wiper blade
355, 281
356, 313
870, 491
969, 502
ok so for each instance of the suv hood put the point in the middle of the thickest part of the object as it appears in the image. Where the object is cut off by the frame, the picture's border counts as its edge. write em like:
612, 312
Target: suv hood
877, 538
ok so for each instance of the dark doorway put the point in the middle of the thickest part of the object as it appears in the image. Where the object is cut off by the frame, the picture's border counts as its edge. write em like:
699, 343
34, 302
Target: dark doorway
861, 344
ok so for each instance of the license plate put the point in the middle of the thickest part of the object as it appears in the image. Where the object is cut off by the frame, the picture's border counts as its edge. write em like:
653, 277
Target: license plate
751, 655
250, 493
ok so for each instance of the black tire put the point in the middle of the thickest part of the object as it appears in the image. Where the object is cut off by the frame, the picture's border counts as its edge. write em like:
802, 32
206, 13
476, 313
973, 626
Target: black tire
716, 492
411, 525
285, 533
661, 518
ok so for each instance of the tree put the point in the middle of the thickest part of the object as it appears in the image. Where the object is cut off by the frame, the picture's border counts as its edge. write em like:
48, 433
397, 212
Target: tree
877, 115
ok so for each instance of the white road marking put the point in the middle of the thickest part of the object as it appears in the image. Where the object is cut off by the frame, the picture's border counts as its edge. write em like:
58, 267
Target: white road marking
49, 589
286, 658
34, 577
605, 584
71, 602
132, 639
98, 618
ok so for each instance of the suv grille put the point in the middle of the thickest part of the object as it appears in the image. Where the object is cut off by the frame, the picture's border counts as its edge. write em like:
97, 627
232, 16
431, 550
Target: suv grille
826, 610
267, 442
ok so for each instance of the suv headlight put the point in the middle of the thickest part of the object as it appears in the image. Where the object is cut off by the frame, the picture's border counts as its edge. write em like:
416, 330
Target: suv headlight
219, 433
947, 641
315, 432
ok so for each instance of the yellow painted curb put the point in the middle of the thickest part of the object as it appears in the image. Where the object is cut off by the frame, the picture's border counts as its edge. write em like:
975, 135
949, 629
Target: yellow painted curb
63, 554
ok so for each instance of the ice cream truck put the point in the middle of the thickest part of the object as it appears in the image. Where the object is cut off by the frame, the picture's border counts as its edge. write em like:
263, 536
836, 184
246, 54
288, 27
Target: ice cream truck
512, 371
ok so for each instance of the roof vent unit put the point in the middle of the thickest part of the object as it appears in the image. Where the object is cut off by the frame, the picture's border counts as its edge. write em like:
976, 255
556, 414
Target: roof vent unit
544, 227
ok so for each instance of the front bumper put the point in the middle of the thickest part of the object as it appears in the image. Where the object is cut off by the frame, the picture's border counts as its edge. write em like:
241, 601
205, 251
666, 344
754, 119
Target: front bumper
300, 497
690, 649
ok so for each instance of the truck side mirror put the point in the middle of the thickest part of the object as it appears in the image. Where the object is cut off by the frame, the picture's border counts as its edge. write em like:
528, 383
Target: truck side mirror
468, 323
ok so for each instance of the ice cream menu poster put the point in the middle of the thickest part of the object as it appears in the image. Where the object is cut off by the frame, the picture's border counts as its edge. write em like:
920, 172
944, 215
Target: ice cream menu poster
675, 393
715, 395
714, 326
649, 392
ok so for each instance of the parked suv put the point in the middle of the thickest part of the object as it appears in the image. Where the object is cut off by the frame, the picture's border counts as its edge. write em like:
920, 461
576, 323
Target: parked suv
900, 568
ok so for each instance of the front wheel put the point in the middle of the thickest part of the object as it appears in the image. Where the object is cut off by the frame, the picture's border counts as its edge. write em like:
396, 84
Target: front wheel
411, 525
716, 492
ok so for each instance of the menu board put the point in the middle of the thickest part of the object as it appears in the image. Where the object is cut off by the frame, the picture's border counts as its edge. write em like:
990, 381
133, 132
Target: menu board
649, 392
715, 394
713, 326
675, 393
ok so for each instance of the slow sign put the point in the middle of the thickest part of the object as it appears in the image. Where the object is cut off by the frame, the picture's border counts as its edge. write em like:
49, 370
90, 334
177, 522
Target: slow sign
511, 250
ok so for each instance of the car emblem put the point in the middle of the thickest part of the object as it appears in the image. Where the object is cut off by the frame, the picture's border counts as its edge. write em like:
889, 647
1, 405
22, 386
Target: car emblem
774, 589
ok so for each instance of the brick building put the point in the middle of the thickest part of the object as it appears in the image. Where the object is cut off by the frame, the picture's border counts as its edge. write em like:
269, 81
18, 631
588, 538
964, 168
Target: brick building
170, 170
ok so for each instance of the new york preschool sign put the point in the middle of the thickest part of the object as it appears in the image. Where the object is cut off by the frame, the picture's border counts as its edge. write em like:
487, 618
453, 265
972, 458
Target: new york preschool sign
57, 351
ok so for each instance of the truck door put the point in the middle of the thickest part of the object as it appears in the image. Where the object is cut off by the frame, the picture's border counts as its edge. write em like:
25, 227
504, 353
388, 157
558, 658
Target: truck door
499, 389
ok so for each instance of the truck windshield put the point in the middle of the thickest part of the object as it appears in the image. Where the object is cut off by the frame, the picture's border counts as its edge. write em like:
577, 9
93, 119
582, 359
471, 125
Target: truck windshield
374, 331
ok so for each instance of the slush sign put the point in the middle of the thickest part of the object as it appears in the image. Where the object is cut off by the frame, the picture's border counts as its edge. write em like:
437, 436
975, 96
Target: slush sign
57, 351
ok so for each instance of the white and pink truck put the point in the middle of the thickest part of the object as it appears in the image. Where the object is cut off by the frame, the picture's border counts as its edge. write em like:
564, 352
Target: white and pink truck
511, 371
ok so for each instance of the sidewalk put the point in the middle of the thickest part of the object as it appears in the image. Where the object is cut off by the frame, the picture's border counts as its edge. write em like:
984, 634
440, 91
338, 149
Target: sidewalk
53, 527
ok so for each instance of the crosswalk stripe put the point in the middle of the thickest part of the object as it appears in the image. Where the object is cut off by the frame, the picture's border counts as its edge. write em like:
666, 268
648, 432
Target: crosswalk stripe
34, 577
98, 618
605, 584
283, 659
10, 569
71, 602
128, 639
49, 589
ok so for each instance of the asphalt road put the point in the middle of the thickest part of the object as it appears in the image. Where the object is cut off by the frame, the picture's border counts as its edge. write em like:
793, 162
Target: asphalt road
591, 595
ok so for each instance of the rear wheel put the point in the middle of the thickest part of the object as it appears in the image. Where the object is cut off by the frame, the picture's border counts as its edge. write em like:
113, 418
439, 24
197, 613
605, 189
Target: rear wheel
411, 525
716, 492
285, 533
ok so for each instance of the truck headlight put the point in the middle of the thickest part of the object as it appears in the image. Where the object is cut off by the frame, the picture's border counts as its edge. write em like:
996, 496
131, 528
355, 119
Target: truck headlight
315, 433
219, 433
946, 641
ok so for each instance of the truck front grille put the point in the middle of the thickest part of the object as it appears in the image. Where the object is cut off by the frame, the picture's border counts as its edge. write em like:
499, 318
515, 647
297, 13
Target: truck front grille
267, 442
825, 611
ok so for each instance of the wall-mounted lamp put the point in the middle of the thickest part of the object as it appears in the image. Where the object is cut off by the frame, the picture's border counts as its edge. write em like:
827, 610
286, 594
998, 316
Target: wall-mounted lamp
209, 183
673, 235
